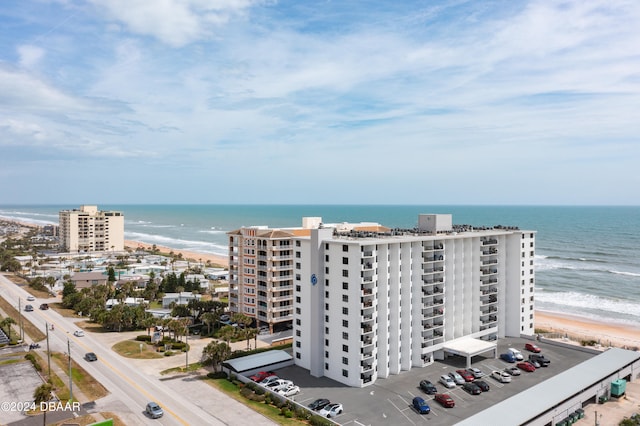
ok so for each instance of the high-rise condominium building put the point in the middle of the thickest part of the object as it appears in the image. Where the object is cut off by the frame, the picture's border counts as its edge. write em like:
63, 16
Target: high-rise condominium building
89, 230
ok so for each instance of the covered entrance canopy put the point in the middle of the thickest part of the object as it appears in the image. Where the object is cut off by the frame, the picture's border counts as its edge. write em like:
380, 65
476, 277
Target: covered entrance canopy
469, 347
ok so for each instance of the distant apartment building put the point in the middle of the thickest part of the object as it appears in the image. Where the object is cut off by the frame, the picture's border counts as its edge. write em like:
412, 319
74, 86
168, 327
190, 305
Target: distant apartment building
87, 230
372, 304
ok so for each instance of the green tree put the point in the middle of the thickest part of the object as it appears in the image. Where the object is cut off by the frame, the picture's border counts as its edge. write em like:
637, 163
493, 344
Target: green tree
5, 324
209, 318
112, 275
215, 353
43, 394
227, 333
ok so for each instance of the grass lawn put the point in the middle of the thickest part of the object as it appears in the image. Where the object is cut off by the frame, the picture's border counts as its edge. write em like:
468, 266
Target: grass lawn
29, 329
69, 313
90, 419
131, 349
87, 384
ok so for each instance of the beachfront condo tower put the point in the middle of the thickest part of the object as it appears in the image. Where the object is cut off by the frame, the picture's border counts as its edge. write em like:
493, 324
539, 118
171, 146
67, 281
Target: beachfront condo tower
367, 301
87, 229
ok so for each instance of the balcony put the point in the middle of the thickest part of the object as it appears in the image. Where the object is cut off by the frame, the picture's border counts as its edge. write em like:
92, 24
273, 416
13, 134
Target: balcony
280, 268
490, 242
367, 254
489, 262
280, 308
366, 378
278, 288
489, 252
368, 266
281, 277
367, 328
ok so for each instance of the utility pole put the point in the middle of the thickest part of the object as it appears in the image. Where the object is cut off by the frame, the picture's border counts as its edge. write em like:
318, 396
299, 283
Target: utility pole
48, 351
186, 340
597, 422
20, 323
70, 379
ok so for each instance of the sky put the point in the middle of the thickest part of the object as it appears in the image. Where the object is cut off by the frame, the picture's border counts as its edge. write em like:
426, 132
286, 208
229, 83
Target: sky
320, 102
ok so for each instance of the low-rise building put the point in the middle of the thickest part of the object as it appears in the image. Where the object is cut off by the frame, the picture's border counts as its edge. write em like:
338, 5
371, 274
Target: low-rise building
182, 298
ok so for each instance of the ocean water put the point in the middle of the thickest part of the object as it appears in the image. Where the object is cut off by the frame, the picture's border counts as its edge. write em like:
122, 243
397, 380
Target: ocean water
587, 258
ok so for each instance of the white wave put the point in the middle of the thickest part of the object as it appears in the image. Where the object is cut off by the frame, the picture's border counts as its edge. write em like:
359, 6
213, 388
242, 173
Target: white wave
207, 231
582, 301
28, 220
178, 244
630, 274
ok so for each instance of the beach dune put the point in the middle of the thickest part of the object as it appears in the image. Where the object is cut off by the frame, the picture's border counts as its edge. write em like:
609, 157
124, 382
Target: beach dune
215, 259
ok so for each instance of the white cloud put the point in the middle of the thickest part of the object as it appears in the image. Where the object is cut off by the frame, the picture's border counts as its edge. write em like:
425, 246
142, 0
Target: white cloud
30, 56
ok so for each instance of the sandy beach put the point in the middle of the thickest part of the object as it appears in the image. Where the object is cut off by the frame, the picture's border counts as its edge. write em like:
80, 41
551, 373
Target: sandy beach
195, 256
579, 328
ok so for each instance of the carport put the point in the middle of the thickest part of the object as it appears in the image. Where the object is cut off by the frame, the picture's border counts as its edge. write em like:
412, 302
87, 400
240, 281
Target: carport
250, 364
469, 347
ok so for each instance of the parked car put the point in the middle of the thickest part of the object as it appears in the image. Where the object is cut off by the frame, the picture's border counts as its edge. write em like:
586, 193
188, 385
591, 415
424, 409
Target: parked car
428, 387
261, 375
90, 356
514, 371
445, 400
447, 381
466, 375
289, 390
457, 378
31, 298
508, 357
526, 366
44, 306
532, 347
154, 410
501, 376
331, 410
472, 388
421, 405
269, 379
28, 308
540, 359
535, 363
78, 333
278, 384
516, 353
482, 385
319, 404
476, 372
225, 318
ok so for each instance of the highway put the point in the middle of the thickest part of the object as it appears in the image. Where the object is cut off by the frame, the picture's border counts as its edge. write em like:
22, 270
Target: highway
198, 405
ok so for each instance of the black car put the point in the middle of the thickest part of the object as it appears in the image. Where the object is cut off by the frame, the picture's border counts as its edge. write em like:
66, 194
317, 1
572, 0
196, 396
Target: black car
90, 356
540, 359
472, 388
428, 387
28, 308
482, 385
319, 404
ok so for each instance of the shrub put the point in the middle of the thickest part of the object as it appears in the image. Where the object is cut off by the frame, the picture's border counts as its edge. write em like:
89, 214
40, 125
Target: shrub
143, 338
33, 361
246, 392
168, 353
287, 413
217, 375
178, 345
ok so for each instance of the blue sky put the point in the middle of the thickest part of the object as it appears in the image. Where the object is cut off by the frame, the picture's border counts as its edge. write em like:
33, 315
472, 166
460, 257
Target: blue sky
334, 102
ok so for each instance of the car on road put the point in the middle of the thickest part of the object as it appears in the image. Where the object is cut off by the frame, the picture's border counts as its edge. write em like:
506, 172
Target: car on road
44, 306
90, 356
472, 388
261, 375
319, 404
508, 357
501, 376
31, 298
445, 400
466, 375
477, 373
331, 410
428, 387
526, 366
289, 390
532, 347
28, 308
78, 333
482, 385
457, 378
153, 410
421, 405
447, 381
540, 359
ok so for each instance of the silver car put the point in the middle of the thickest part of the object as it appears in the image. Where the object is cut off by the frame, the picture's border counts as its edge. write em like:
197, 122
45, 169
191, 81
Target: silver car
447, 381
153, 410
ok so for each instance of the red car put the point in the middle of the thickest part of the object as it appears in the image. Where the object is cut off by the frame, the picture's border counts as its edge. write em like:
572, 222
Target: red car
258, 377
526, 366
467, 376
445, 400
532, 347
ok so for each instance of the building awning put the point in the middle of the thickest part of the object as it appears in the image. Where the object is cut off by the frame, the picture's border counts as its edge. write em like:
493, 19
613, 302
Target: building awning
469, 347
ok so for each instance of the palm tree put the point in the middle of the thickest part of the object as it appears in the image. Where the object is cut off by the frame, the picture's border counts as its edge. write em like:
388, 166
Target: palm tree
249, 333
227, 332
215, 353
43, 394
208, 318
6, 325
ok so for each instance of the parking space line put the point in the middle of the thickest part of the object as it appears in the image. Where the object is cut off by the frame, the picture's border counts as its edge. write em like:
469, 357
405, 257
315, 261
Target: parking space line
402, 411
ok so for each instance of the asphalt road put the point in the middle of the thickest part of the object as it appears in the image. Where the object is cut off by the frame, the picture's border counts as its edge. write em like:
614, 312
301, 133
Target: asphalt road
184, 402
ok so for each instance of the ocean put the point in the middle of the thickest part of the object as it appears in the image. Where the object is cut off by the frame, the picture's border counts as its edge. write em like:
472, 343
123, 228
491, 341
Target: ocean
587, 258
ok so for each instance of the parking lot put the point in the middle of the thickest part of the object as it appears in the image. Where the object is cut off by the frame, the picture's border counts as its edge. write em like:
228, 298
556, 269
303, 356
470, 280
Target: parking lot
388, 401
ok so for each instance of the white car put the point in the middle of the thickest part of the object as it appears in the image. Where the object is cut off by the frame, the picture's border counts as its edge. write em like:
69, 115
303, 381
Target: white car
516, 353
279, 384
289, 390
269, 379
476, 372
331, 410
78, 333
447, 381
31, 298
501, 376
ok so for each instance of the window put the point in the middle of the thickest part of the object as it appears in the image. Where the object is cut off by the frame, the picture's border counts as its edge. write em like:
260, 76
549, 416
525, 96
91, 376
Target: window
345, 297
345, 272
345, 348
326, 366
298, 311
326, 330
298, 355
326, 318
297, 277
298, 333
345, 247
297, 243
345, 323
345, 286
298, 288
345, 260
297, 299
326, 294
345, 310
298, 265
345, 335
326, 306
326, 354
345, 373
298, 344
326, 342
345, 360
326, 283
298, 321
298, 254
326, 270
326, 246
326, 257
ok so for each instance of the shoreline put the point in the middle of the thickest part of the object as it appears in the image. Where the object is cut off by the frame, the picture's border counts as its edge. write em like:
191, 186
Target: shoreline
216, 259
579, 328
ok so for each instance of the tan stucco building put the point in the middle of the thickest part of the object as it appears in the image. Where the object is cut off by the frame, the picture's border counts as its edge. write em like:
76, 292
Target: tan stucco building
89, 230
